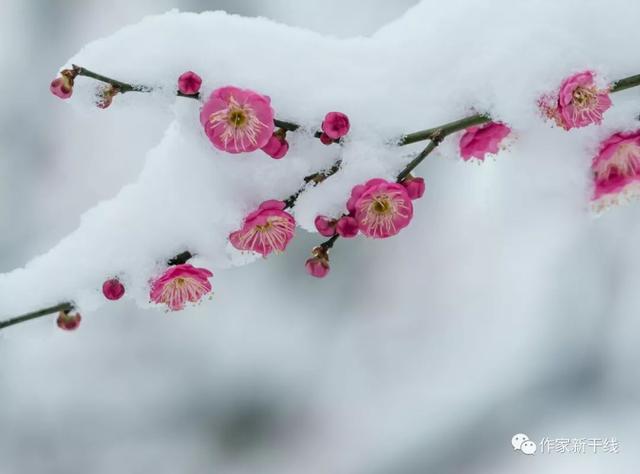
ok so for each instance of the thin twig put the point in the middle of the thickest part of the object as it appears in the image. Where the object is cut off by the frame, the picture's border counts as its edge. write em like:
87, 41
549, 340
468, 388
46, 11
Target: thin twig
66, 307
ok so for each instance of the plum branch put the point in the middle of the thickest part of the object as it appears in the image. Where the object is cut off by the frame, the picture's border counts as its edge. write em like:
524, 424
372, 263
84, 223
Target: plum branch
435, 136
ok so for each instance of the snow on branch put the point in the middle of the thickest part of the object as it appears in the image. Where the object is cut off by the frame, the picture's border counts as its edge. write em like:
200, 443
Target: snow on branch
227, 204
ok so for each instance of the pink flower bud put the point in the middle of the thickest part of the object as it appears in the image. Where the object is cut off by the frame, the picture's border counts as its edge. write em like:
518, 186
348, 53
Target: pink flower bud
112, 289
347, 227
414, 186
63, 86
318, 265
325, 225
277, 146
67, 321
326, 139
335, 125
189, 83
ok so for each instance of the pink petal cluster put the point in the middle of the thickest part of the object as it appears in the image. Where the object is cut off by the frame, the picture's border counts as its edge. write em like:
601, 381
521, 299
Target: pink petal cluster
277, 146
237, 120
345, 226
334, 126
616, 168
68, 321
112, 289
326, 226
318, 265
579, 102
479, 141
189, 83
267, 229
180, 284
62, 86
415, 186
381, 208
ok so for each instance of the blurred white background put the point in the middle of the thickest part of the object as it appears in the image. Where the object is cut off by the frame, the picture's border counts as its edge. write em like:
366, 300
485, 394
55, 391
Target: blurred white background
414, 356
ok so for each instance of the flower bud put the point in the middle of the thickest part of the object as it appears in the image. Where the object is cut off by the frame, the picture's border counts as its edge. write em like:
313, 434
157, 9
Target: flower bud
189, 83
318, 265
325, 139
335, 125
414, 186
347, 227
277, 146
325, 226
68, 321
112, 289
105, 96
63, 86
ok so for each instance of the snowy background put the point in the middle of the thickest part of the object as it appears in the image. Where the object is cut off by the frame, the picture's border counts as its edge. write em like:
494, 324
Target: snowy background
503, 308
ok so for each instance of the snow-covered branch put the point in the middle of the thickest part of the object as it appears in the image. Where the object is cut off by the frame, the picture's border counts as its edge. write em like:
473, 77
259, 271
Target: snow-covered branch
195, 194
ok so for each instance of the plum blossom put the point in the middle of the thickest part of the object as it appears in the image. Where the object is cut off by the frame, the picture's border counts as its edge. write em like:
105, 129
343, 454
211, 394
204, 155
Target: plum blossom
180, 284
189, 83
112, 289
237, 120
616, 169
380, 207
335, 125
579, 102
68, 321
479, 141
265, 230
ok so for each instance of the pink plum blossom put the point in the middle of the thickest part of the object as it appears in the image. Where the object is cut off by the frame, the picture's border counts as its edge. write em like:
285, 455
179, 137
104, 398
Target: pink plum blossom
335, 125
415, 186
380, 207
318, 265
277, 146
112, 289
326, 226
265, 230
68, 321
579, 103
180, 284
189, 83
237, 120
347, 227
616, 168
479, 141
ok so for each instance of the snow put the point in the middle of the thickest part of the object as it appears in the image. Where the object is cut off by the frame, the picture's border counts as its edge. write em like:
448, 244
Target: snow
428, 67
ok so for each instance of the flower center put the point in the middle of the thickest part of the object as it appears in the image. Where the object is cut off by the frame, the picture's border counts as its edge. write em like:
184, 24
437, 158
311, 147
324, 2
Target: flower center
381, 205
584, 97
179, 282
624, 163
264, 227
237, 117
